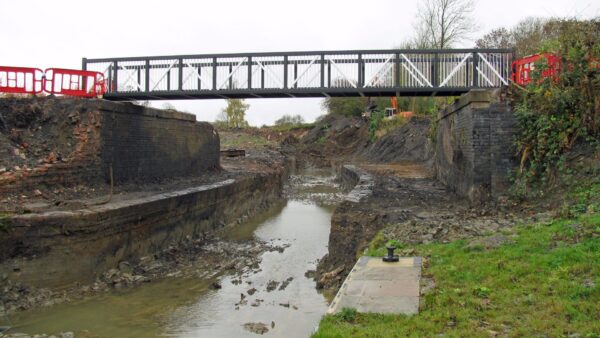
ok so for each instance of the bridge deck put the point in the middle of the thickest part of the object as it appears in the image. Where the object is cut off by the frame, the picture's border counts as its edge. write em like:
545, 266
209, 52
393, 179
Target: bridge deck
304, 74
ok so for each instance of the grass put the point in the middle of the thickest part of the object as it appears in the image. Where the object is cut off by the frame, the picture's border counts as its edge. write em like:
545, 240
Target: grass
291, 127
389, 124
545, 283
243, 141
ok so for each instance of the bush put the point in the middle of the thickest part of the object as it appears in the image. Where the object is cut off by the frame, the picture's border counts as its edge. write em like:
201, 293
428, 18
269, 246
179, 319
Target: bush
554, 114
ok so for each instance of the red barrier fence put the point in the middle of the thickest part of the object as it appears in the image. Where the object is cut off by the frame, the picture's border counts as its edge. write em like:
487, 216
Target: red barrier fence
21, 80
74, 82
523, 67
56, 81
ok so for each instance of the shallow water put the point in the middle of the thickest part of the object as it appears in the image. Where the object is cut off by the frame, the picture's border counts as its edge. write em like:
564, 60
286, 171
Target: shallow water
190, 307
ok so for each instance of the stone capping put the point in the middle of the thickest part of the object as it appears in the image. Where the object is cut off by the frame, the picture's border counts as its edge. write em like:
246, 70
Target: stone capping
480, 98
130, 108
23, 219
362, 180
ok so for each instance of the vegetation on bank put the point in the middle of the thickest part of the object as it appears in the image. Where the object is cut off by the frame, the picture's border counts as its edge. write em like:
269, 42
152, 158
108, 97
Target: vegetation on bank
556, 114
543, 283
544, 280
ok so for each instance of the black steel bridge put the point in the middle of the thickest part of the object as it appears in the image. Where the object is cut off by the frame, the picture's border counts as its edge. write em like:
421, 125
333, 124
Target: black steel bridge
393, 72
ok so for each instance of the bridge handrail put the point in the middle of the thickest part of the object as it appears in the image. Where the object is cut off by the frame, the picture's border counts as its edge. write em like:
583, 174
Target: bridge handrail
378, 72
301, 53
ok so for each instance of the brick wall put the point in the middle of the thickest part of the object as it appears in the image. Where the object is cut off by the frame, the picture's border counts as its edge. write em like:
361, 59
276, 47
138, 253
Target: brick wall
140, 144
144, 144
475, 145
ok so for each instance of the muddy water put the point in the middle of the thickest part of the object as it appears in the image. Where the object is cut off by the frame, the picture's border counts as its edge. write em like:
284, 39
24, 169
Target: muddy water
191, 307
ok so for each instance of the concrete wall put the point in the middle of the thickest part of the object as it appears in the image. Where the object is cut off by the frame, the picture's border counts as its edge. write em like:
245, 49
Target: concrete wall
475, 145
59, 248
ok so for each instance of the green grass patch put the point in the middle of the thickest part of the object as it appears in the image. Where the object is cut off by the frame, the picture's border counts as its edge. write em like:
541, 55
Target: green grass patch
389, 124
243, 141
292, 127
545, 283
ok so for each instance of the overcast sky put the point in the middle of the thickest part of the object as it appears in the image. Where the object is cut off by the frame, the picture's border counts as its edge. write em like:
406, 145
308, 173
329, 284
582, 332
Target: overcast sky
59, 33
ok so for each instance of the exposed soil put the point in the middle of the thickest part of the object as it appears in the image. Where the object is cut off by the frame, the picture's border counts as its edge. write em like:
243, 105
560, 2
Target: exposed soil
204, 257
407, 206
339, 139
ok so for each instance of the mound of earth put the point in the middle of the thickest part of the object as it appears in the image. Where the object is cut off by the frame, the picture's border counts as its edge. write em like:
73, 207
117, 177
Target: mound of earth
344, 138
407, 143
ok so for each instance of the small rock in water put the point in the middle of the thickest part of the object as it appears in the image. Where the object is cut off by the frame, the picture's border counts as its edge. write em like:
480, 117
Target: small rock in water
216, 285
285, 283
272, 285
251, 291
258, 328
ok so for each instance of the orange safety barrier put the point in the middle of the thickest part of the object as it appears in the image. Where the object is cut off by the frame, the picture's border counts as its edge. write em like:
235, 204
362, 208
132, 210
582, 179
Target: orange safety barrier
21, 80
74, 82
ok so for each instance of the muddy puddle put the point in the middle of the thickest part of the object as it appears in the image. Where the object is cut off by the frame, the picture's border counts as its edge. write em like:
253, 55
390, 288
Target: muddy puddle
274, 298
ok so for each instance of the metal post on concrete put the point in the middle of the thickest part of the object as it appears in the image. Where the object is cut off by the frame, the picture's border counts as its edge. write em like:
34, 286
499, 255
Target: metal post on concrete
115, 76
249, 72
285, 72
180, 74
322, 70
214, 74
147, 75
397, 70
361, 71
475, 71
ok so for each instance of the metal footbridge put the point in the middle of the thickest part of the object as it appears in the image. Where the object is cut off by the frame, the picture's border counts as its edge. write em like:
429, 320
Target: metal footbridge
349, 73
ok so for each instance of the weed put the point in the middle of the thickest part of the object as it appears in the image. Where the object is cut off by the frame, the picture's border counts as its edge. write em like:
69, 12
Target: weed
482, 292
347, 315
534, 287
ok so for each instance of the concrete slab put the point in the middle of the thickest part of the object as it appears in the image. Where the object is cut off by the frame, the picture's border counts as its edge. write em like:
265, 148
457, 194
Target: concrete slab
380, 287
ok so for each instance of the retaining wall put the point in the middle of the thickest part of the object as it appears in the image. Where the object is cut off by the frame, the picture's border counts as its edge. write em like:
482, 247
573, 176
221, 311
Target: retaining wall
63, 247
141, 144
475, 150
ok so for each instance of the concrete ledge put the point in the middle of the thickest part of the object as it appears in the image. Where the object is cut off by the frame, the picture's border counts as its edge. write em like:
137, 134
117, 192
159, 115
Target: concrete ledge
130, 108
362, 181
59, 248
380, 287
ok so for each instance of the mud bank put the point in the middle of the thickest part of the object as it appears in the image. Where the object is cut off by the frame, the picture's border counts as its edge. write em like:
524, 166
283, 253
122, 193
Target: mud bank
60, 249
405, 203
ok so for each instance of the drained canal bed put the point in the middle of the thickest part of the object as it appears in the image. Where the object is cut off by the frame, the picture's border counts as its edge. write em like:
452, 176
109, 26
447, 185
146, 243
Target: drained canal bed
274, 297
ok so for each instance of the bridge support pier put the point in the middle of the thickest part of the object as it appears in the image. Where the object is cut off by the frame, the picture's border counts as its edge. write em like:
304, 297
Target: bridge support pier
475, 150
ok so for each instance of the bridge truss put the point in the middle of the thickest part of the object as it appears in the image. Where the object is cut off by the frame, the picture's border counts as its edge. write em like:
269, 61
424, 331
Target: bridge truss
304, 74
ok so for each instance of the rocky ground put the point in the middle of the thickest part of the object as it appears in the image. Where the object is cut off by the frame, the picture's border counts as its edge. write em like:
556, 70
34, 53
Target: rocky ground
405, 205
203, 257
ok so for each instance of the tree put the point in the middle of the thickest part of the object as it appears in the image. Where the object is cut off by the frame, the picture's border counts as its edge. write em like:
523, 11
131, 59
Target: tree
291, 120
235, 112
497, 38
444, 23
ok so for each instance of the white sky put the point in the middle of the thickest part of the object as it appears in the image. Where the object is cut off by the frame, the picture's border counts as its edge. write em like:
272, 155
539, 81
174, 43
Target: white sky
57, 33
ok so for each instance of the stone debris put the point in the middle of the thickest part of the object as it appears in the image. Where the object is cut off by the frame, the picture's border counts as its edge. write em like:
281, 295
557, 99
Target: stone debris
258, 328
272, 285
285, 283
23, 335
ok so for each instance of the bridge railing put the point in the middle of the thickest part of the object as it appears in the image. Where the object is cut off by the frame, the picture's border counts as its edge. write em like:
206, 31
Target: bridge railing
297, 74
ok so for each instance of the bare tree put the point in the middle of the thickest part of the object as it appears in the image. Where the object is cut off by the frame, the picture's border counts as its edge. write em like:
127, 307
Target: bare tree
497, 38
444, 23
